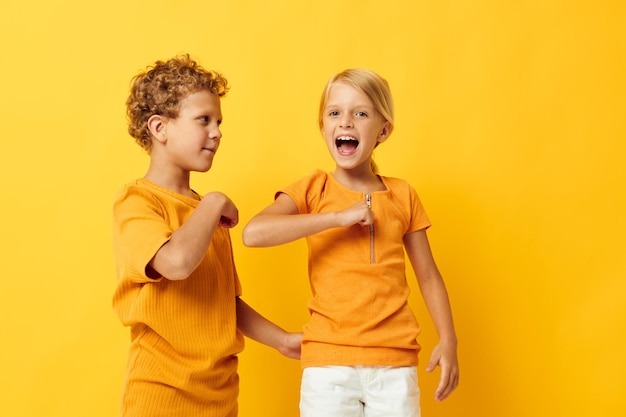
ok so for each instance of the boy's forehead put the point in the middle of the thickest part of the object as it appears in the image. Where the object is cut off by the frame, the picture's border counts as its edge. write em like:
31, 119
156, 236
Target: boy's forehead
202, 98
200, 92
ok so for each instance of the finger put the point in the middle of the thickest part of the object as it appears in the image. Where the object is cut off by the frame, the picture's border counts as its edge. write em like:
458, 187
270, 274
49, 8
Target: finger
442, 389
434, 361
446, 390
226, 222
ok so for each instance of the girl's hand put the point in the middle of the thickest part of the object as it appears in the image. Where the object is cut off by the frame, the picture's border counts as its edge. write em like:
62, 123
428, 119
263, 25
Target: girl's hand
359, 213
445, 356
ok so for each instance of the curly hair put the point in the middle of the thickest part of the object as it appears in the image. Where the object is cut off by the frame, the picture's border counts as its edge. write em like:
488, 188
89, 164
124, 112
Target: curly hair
160, 89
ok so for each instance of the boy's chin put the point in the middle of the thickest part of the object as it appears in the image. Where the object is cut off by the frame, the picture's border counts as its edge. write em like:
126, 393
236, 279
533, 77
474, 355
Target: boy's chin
202, 168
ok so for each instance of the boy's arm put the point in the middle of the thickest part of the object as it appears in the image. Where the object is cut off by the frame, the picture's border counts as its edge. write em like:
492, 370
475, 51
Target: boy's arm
187, 246
280, 222
436, 299
258, 328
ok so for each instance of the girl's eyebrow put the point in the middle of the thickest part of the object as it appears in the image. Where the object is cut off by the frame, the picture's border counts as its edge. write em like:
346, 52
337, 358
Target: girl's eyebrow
353, 106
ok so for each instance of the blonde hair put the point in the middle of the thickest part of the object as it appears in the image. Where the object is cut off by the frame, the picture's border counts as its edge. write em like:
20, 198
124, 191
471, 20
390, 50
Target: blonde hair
160, 89
375, 88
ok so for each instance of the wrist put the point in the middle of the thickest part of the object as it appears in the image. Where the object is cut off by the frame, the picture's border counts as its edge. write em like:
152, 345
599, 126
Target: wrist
449, 341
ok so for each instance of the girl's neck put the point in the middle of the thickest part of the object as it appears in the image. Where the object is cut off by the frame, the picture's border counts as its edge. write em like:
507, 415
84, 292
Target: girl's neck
363, 180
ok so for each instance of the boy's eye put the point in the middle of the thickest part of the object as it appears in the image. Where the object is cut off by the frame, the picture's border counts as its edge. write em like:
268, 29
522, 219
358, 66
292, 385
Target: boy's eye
333, 113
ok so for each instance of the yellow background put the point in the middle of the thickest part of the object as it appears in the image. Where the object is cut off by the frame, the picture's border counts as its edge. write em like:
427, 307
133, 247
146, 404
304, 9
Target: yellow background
510, 123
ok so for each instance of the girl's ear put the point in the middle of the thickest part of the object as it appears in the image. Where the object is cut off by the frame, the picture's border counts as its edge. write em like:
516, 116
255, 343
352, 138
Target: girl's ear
384, 133
156, 126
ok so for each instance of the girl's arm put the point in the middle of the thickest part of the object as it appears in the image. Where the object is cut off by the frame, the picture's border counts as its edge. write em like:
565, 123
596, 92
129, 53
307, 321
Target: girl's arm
187, 246
435, 296
258, 328
280, 222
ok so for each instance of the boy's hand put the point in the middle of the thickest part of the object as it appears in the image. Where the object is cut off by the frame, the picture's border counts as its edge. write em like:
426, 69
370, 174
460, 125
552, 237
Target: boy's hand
229, 216
290, 346
228, 222
359, 213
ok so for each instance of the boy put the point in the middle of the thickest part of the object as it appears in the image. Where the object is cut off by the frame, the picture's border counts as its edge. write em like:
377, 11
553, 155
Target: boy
178, 288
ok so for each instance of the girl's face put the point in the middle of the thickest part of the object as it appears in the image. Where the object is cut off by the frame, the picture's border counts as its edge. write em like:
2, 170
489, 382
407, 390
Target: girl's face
352, 127
194, 136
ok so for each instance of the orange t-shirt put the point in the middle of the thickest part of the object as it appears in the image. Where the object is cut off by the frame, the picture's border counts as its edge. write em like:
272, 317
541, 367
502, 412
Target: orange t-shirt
359, 310
184, 337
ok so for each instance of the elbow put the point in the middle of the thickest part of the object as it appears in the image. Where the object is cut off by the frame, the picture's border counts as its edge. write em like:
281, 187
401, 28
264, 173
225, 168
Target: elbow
177, 274
177, 271
176, 277
249, 237
256, 236
174, 263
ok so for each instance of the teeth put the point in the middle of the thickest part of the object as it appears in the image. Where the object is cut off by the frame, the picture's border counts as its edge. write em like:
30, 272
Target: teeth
346, 138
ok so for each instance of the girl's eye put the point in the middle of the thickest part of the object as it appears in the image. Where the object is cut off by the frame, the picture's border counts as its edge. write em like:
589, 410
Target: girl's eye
361, 114
204, 119
333, 113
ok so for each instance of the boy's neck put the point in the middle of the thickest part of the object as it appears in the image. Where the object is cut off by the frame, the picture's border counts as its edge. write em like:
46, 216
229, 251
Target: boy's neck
177, 182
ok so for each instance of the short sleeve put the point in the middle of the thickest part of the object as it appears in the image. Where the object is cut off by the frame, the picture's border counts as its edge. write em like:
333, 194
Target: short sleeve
408, 202
307, 192
139, 230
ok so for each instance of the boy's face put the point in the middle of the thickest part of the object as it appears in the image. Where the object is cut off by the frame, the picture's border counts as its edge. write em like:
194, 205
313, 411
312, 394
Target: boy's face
351, 126
194, 136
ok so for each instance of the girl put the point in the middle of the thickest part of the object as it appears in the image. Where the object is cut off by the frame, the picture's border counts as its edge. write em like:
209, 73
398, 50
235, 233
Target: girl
359, 350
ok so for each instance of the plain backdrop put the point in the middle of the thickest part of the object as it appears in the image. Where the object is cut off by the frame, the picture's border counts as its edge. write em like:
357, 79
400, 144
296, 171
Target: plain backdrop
510, 124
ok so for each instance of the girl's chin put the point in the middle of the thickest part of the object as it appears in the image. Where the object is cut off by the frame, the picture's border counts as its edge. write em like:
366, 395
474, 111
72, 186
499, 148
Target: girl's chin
350, 166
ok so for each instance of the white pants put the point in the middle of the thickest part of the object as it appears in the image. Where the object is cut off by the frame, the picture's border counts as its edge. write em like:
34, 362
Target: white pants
359, 391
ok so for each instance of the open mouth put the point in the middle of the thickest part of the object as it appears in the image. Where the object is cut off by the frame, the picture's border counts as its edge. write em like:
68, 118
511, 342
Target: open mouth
346, 144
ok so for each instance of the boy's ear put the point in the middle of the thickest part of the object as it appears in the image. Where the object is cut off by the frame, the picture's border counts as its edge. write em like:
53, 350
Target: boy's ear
156, 126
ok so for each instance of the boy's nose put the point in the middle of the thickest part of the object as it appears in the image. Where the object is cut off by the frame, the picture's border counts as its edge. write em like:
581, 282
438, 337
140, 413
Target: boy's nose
215, 133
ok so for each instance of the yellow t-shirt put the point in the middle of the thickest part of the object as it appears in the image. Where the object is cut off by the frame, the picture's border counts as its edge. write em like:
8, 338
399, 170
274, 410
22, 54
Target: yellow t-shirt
184, 338
359, 310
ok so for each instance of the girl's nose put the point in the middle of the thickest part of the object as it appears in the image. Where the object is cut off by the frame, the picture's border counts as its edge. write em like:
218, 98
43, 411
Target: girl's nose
346, 121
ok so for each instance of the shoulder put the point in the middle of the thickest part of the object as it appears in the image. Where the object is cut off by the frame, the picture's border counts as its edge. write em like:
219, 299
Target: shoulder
397, 185
314, 176
133, 189
403, 191
135, 195
312, 180
307, 191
